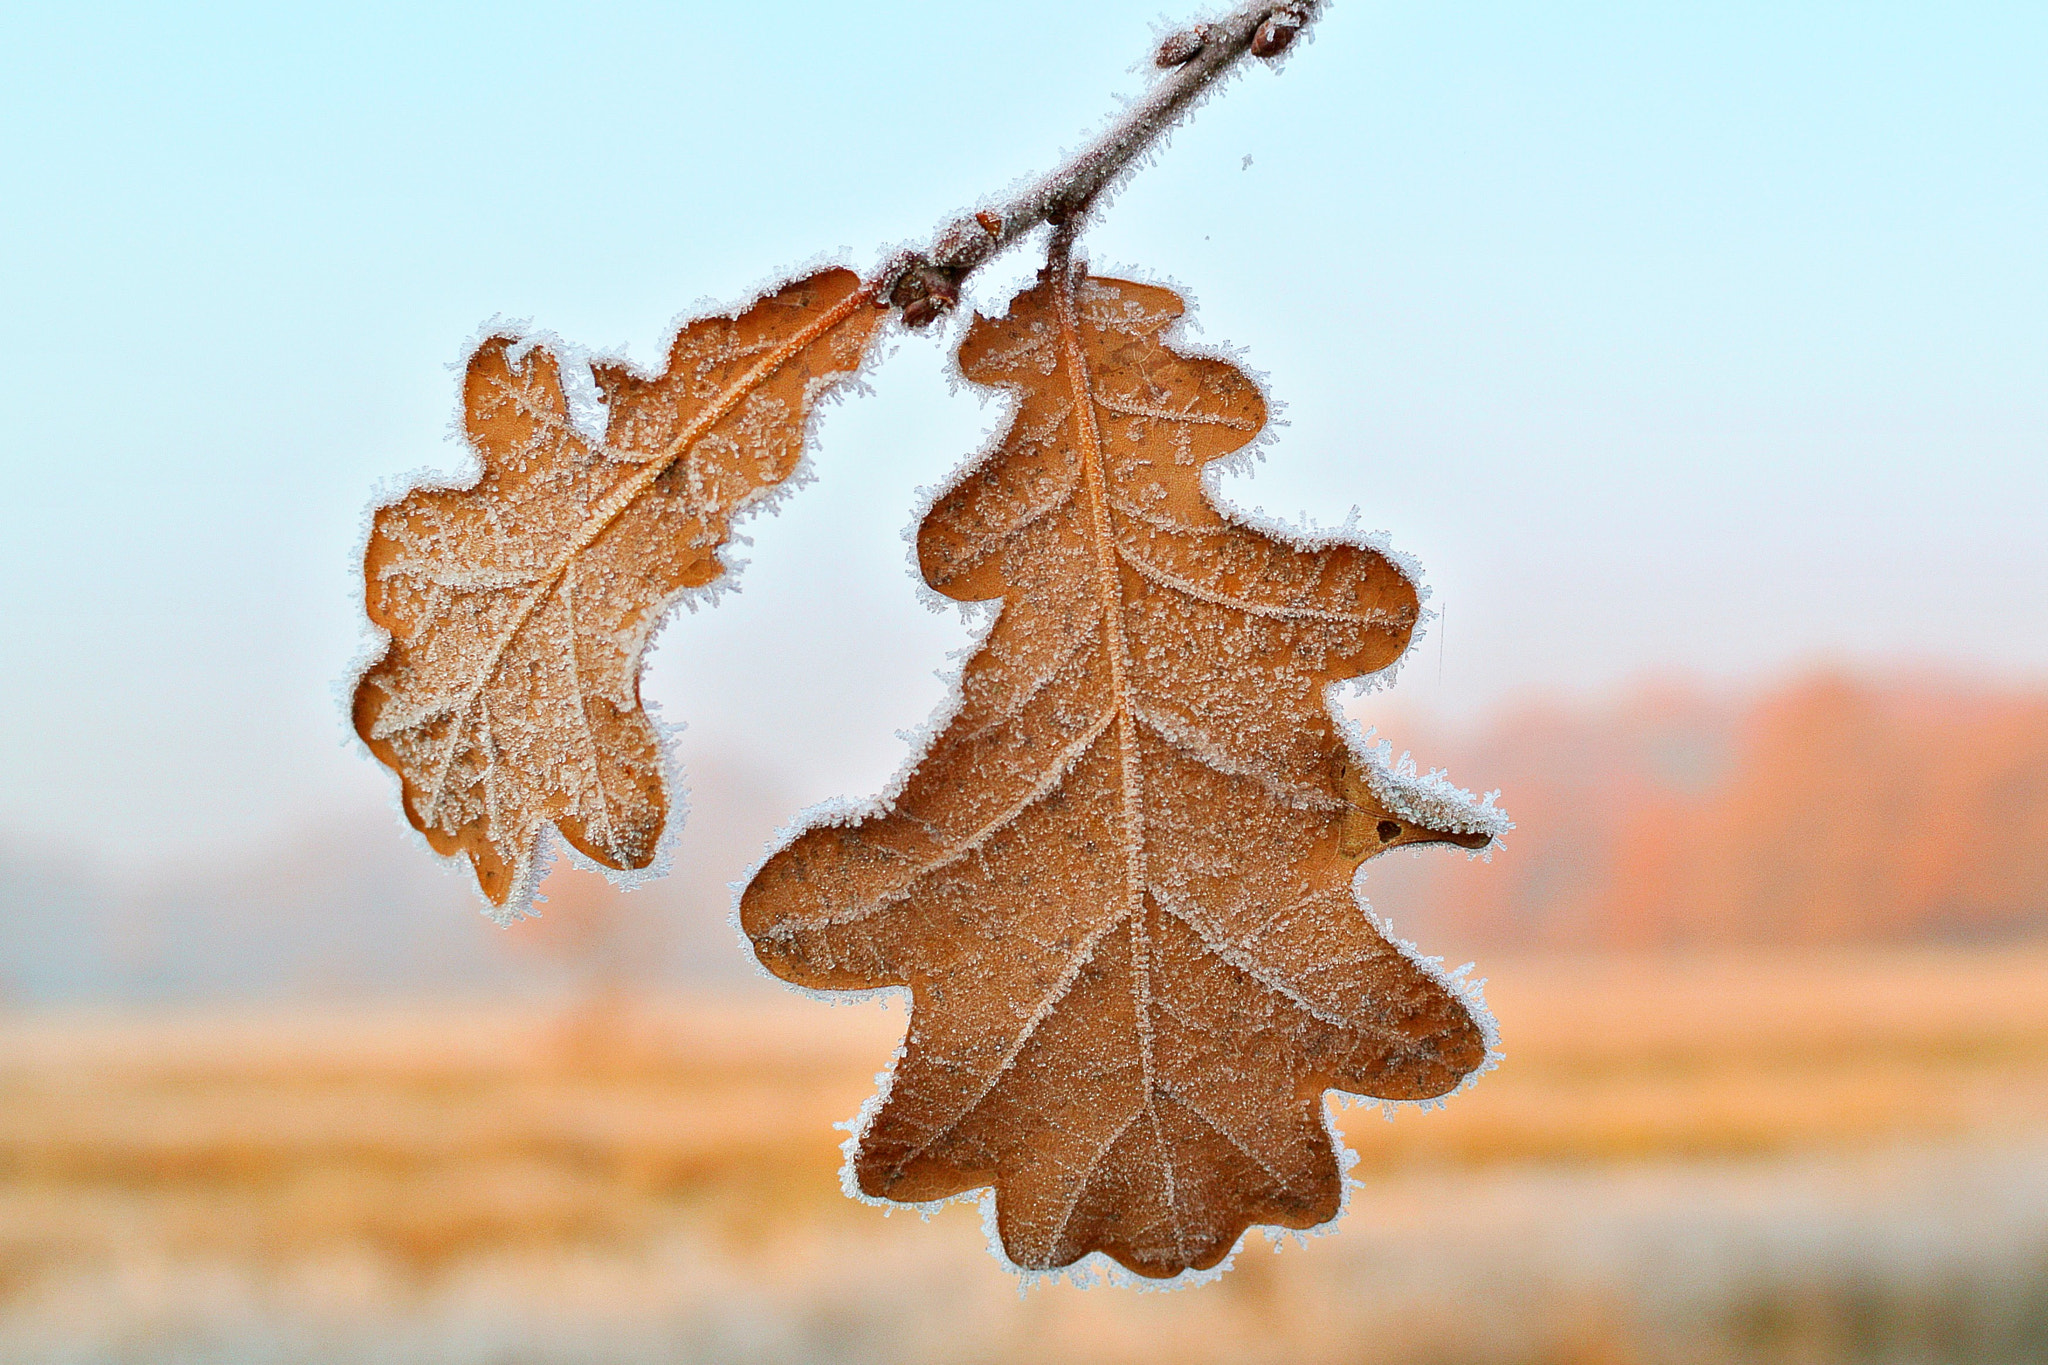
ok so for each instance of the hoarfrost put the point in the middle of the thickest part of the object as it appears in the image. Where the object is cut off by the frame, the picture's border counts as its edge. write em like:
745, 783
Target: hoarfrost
1116, 880
518, 609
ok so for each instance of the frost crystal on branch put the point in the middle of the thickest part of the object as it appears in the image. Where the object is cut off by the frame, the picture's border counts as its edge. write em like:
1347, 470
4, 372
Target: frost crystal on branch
1118, 885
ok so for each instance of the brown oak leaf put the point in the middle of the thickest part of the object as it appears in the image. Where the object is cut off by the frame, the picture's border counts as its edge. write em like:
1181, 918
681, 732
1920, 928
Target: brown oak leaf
1118, 886
519, 607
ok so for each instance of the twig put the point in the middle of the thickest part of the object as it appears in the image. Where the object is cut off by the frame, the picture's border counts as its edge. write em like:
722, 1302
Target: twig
925, 285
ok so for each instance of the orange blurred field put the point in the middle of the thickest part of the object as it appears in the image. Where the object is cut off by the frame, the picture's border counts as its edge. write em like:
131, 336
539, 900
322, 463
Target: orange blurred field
1747, 1156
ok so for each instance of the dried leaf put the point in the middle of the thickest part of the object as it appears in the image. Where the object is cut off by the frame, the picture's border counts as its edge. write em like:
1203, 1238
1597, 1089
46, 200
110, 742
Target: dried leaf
1118, 886
519, 607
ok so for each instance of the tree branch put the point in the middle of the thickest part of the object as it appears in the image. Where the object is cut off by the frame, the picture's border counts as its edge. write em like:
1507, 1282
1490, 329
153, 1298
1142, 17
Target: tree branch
926, 284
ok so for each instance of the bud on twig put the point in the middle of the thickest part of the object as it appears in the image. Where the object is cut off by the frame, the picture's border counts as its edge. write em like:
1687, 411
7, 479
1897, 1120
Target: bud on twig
925, 291
1181, 48
1277, 32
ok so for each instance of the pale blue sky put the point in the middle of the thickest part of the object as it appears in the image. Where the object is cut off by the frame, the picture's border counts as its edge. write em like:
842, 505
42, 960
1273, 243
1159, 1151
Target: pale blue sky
1708, 337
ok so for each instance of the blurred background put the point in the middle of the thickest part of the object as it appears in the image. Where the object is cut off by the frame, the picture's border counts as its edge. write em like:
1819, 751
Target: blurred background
1696, 351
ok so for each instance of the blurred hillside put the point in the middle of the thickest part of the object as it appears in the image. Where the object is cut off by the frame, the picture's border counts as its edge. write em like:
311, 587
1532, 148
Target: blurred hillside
1828, 811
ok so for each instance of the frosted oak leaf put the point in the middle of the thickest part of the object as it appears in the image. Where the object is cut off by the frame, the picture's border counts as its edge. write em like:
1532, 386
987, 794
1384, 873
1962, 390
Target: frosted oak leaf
508, 699
1119, 884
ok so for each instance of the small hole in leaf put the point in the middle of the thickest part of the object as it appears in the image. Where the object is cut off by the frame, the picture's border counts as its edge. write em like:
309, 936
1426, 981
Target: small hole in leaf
1389, 831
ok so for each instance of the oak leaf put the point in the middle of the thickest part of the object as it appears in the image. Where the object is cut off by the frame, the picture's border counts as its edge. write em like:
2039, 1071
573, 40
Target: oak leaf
519, 608
1118, 886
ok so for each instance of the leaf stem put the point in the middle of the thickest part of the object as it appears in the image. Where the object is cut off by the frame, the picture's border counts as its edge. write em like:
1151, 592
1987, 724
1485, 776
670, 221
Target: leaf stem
926, 284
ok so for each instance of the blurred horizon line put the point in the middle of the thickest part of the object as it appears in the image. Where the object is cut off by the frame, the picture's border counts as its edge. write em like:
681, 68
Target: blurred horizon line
1833, 806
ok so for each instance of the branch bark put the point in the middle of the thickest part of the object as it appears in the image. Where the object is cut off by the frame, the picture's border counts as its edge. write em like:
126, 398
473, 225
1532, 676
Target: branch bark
926, 284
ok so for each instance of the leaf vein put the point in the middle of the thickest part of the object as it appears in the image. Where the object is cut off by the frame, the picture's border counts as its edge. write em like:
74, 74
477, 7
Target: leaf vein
1378, 618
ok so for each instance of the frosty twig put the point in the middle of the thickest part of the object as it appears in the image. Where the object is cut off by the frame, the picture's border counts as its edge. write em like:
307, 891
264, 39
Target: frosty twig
925, 285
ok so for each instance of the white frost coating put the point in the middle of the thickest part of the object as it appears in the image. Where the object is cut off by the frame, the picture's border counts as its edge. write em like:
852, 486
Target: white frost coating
1430, 798
374, 639
1459, 982
1091, 1270
1096, 1268
1157, 131
1303, 533
1394, 783
575, 364
841, 811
